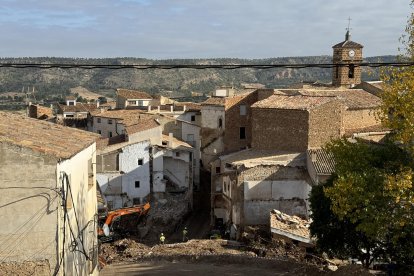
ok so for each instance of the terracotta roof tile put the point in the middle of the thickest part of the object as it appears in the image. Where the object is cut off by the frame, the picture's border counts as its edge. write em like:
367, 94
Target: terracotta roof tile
132, 94
298, 102
44, 137
176, 142
141, 125
347, 44
322, 161
79, 107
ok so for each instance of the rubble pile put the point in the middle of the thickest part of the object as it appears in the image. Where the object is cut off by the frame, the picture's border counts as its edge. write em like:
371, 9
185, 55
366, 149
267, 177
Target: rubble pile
28, 268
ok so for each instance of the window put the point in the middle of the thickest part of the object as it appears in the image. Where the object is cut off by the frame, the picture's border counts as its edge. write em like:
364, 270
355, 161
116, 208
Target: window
140, 162
136, 201
351, 71
242, 110
242, 133
177, 154
132, 102
137, 184
140, 103
109, 122
99, 132
218, 169
220, 122
192, 118
98, 120
110, 133
71, 103
69, 115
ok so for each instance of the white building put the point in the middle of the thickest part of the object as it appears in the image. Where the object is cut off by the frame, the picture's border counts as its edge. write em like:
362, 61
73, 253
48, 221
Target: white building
48, 200
131, 98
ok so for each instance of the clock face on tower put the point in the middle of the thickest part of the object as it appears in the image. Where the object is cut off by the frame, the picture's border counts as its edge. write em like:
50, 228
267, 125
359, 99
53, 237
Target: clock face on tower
351, 53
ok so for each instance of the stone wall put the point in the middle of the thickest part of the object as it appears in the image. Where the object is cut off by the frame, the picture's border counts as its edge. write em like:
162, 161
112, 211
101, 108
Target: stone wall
357, 119
325, 124
235, 120
280, 129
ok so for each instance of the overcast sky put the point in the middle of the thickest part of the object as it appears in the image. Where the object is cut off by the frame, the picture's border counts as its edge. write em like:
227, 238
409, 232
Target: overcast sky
159, 29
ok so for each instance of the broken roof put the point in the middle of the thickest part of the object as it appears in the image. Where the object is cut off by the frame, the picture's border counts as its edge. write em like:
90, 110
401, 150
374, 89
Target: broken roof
322, 160
132, 94
44, 137
296, 102
291, 227
253, 157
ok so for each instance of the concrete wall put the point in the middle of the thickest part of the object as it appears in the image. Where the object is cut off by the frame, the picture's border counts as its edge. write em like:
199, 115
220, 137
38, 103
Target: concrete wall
29, 215
280, 129
194, 130
158, 171
83, 212
186, 116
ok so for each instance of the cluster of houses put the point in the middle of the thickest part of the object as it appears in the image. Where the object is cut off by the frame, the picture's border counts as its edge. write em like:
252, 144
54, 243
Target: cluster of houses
262, 147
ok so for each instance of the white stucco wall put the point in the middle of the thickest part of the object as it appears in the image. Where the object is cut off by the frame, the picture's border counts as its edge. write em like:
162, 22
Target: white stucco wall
260, 197
158, 171
115, 184
195, 131
177, 168
154, 135
84, 204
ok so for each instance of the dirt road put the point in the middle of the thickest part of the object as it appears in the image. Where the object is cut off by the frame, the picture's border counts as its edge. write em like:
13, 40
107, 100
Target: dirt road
200, 269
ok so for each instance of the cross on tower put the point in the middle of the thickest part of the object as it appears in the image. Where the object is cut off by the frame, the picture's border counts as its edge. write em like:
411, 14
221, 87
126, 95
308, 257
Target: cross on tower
349, 24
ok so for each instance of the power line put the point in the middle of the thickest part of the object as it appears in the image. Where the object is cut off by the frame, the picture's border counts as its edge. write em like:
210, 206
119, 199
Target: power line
199, 66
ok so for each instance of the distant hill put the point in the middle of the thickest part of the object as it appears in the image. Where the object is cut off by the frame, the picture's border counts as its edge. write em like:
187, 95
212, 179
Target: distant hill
55, 83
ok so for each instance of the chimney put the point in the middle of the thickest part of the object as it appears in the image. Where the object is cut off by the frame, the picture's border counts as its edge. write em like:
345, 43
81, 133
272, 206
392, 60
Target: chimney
184, 108
97, 103
149, 108
170, 140
172, 109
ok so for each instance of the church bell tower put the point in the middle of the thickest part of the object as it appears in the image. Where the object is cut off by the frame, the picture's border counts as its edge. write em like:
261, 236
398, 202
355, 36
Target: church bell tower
347, 55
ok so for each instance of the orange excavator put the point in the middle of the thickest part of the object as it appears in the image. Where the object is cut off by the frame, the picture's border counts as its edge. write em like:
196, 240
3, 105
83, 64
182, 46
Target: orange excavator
121, 221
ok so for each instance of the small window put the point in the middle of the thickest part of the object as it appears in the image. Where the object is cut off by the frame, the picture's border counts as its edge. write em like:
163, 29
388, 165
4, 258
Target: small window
192, 118
137, 184
136, 201
242, 110
218, 169
351, 71
109, 121
110, 133
177, 154
70, 115
98, 120
99, 132
336, 72
71, 103
220, 123
140, 162
140, 103
242, 133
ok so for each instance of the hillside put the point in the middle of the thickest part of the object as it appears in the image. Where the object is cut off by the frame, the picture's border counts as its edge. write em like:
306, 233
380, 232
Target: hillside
55, 83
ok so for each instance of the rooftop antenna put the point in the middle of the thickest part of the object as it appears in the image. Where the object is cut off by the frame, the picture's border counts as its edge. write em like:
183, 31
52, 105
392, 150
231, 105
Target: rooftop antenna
348, 35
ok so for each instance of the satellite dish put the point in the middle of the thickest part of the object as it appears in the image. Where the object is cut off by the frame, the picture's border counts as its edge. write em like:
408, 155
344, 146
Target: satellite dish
106, 229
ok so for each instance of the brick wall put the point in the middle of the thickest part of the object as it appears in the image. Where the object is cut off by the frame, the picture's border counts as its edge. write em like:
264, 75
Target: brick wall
325, 124
280, 129
340, 73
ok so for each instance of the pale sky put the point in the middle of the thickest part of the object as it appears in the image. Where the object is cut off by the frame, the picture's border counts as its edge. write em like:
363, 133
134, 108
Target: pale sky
159, 29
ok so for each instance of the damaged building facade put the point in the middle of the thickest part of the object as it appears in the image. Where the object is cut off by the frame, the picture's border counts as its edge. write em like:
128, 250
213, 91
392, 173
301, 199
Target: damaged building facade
48, 182
284, 132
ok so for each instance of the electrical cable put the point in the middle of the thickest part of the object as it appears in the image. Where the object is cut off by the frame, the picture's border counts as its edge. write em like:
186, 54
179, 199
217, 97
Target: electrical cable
200, 66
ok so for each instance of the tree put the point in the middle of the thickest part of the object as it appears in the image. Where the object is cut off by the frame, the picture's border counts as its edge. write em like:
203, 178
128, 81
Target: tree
371, 195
